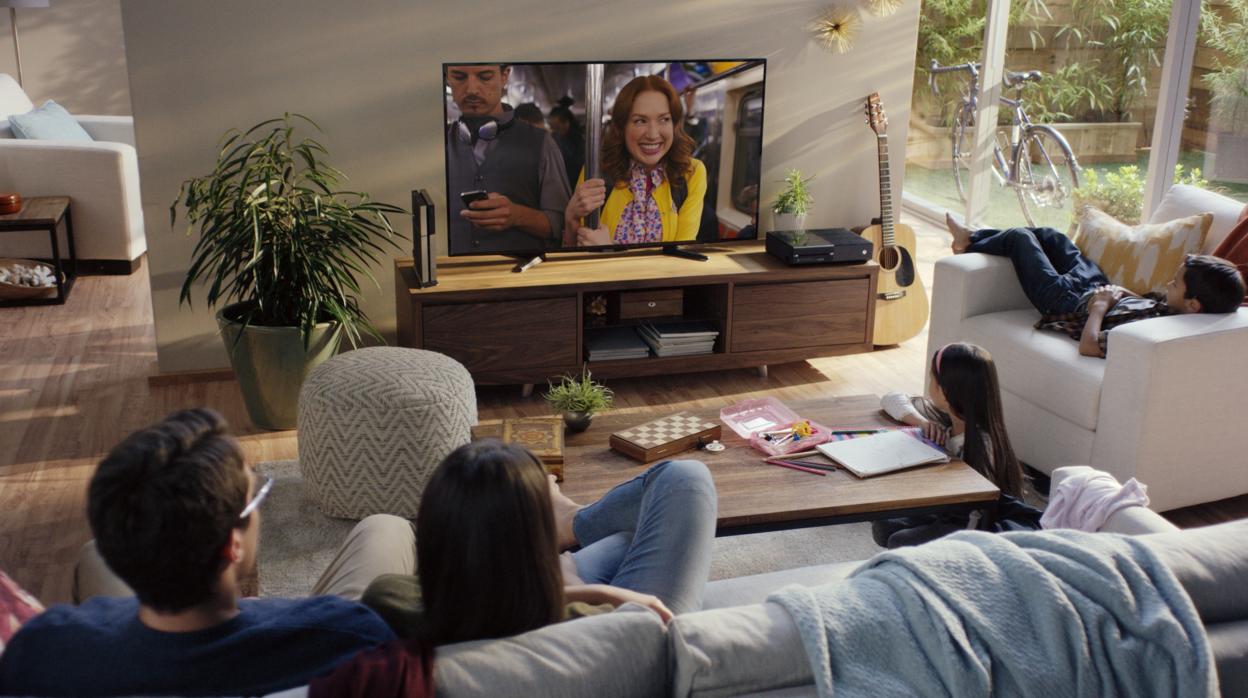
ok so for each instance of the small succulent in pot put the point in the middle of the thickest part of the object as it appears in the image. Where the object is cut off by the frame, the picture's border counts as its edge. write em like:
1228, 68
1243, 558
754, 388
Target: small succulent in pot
578, 398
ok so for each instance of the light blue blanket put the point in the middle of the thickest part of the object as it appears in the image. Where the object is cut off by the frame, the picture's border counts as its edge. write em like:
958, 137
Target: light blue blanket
1047, 614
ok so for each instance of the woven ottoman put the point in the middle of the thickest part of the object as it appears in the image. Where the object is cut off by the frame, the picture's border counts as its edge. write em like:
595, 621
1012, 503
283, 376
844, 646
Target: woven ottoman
375, 422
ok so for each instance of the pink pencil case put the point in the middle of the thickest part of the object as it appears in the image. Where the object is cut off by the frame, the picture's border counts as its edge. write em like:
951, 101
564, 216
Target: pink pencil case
751, 418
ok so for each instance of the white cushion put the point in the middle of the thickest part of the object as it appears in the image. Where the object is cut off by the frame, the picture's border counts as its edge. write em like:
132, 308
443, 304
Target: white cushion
731, 651
1183, 200
624, 653
13, 99
1041, 364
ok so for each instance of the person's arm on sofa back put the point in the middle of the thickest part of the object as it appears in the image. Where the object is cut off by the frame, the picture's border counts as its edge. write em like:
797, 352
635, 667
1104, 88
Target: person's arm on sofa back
1128, 520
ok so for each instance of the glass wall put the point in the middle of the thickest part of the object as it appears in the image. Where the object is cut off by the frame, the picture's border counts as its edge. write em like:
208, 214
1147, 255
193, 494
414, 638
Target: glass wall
951, 32
1093, 94
1215, 127
1087, 75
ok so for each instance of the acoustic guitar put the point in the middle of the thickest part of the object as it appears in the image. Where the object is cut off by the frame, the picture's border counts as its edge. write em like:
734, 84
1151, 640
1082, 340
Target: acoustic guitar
901, 301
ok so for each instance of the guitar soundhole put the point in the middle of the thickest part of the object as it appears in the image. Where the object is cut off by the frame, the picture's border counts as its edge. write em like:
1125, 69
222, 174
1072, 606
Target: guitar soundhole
889, 258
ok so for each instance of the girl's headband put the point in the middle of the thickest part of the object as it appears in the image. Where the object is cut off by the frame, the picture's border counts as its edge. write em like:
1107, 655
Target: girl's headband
940, 353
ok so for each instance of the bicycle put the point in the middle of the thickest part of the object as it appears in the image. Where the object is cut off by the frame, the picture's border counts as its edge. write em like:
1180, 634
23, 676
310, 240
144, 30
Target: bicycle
1041, 169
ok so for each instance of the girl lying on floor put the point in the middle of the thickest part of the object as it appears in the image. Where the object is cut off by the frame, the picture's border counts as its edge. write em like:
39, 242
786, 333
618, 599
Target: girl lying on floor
963, 415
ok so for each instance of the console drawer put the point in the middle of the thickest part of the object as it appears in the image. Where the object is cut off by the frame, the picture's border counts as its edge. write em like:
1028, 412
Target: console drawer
504, 335
663, 302
802, 314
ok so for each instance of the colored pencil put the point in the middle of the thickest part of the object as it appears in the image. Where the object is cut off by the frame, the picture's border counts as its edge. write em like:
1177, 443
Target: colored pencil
808, 463
811, 452
802, 468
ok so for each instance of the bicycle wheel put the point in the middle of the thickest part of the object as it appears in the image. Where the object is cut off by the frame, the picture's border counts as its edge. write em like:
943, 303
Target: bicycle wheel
1045, 177
963, 140
963, 146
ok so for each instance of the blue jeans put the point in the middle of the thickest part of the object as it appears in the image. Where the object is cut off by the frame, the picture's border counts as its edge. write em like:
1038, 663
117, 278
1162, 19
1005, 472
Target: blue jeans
1053, 273
652, 534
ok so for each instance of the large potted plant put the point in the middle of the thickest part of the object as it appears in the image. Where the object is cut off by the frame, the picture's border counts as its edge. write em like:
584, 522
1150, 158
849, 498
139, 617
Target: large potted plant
280, 249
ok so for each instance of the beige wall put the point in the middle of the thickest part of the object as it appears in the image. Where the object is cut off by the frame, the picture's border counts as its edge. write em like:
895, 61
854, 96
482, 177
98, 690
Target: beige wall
369, 72
72, 52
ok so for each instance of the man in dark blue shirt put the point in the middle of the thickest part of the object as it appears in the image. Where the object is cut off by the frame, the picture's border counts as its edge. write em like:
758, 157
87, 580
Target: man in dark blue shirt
175, 514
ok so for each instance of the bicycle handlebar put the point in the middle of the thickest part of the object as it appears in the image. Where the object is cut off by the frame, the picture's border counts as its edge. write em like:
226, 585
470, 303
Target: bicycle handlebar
1010, 79
937, 68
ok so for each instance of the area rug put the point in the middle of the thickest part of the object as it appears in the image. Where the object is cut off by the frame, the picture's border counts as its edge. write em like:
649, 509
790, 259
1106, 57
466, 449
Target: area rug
297, 542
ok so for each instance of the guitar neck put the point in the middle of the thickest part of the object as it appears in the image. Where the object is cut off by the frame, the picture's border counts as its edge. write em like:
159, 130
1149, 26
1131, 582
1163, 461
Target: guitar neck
886, 192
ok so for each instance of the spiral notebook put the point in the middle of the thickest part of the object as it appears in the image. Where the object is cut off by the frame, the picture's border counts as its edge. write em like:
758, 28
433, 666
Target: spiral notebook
882, 453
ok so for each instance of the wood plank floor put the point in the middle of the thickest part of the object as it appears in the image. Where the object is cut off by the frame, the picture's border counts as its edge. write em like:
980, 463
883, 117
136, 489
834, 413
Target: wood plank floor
74, 381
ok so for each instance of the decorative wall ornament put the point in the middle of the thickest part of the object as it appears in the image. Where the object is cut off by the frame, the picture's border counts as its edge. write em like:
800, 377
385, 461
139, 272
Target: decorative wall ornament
884, 8
837, 27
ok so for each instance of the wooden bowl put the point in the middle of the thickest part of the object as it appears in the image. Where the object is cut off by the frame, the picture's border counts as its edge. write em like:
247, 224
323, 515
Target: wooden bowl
10, 203
13, 292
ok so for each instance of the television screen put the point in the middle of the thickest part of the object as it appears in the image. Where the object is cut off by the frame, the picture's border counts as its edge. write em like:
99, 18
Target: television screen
544, 157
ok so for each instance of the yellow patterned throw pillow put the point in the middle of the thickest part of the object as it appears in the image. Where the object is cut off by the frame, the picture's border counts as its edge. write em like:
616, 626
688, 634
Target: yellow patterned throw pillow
1140, 258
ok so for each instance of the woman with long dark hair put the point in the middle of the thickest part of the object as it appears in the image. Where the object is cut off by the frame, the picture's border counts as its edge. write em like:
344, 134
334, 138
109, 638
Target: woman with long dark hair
491, 528
963, 415
656, 185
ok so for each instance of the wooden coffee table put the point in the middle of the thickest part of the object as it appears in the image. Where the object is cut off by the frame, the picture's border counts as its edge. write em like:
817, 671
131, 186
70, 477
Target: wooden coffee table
756, 497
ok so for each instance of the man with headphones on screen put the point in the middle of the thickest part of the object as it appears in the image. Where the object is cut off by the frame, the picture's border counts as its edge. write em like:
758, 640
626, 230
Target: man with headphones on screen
507, 187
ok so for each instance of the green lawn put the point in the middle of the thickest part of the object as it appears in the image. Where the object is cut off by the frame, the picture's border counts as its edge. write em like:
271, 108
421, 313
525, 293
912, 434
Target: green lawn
937, 187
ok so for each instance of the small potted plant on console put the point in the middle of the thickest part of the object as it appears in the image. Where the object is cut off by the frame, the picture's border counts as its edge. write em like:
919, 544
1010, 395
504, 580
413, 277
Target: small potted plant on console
578, 399
790, 208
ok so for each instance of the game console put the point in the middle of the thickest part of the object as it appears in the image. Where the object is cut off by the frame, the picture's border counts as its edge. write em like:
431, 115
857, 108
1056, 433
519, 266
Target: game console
818, 246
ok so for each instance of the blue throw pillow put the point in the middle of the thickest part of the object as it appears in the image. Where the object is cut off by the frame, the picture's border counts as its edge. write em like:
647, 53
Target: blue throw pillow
48, 123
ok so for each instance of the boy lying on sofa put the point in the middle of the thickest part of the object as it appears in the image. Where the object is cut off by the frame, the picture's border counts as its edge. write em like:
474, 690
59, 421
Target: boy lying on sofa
1075, 297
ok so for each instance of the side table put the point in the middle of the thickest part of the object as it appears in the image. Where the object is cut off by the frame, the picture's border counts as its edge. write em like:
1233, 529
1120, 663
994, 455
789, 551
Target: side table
46, 213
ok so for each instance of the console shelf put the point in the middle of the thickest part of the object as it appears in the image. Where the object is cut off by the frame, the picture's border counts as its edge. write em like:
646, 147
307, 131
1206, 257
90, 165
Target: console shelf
510, 328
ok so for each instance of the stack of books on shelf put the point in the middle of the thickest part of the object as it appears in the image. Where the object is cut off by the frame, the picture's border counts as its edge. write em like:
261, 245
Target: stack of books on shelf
679, 338
614, 344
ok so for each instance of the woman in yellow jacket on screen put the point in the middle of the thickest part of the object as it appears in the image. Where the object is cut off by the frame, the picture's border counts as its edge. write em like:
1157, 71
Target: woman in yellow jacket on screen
644, 150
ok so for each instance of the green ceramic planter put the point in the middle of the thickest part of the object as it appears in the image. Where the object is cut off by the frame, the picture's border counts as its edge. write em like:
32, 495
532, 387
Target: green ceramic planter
271, 363
577, 422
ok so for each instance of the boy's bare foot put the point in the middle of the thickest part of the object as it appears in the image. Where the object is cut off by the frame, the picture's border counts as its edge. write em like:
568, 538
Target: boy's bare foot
565, 509
961, 234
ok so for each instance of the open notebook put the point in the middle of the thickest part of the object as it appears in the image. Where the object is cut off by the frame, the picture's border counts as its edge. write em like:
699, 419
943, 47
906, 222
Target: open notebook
882, 453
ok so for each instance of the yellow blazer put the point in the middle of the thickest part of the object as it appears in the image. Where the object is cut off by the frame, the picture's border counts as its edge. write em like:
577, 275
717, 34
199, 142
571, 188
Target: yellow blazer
678, 226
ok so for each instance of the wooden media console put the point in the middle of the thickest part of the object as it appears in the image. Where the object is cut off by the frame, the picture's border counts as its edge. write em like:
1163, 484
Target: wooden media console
526, 328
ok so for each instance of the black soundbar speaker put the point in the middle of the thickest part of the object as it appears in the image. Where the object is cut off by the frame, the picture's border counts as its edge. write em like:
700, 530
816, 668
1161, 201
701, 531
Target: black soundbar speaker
424, 248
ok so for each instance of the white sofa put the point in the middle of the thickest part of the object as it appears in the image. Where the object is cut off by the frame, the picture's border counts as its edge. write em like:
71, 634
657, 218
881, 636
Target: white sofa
101, 178
1166, 407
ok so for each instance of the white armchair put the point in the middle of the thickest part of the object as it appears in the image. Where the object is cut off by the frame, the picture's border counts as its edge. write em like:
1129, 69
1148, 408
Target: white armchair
101, 178
1167, 406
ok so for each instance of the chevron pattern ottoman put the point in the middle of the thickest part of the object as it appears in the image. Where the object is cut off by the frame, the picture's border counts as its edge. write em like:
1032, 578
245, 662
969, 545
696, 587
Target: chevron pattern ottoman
375, 422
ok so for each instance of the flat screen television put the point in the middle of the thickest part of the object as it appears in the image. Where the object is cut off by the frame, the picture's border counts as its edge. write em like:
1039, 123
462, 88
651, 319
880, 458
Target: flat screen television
548, 157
